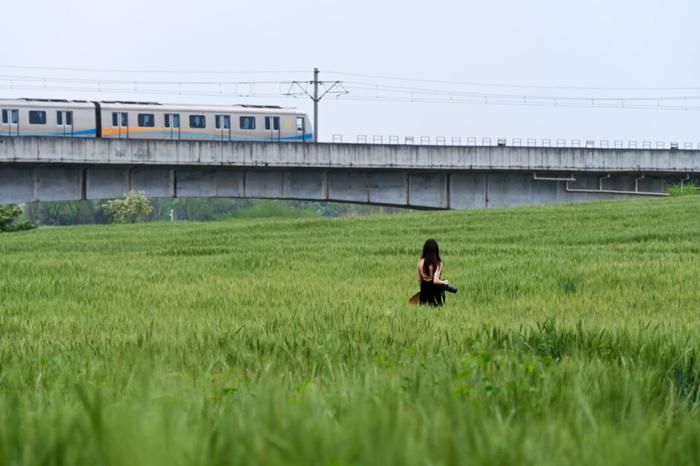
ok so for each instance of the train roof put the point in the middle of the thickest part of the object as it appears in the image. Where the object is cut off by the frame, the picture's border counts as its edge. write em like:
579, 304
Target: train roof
47, 103
152, 106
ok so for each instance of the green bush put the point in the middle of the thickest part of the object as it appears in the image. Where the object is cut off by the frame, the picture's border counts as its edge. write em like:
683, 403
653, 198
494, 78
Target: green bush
683, 189
9, 219
133, 208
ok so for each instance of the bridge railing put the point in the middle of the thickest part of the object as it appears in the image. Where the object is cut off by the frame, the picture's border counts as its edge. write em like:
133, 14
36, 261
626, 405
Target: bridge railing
513, 142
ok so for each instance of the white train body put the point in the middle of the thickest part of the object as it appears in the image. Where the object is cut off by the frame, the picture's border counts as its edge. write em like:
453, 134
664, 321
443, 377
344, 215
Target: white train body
145, 120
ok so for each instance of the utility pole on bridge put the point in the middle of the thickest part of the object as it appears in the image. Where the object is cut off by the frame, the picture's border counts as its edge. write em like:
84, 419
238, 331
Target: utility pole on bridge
334, 87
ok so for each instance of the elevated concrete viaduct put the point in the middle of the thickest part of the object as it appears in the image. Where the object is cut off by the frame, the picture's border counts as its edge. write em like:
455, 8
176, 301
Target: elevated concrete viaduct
431, 177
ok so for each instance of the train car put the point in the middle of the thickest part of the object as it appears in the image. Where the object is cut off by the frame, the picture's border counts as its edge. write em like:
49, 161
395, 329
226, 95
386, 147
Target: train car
151, 120
131, 120
47, 117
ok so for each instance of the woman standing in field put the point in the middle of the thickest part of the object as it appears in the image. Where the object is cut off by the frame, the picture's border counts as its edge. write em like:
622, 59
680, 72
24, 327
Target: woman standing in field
432, 287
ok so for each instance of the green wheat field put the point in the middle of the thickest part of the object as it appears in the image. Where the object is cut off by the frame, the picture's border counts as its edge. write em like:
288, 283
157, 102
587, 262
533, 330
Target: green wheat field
573, 340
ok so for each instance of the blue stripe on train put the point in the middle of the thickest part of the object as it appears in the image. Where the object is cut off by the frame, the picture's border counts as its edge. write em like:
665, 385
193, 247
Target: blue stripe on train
93, 132
86, 132
186, 135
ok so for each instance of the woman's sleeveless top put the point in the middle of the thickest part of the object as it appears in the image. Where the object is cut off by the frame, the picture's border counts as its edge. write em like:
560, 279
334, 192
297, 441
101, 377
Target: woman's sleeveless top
430, 293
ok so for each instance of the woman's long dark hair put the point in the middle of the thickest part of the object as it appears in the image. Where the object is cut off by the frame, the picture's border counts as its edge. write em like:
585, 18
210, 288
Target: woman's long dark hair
430, 256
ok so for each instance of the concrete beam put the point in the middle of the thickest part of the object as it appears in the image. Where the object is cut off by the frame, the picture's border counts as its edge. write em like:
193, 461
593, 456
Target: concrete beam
430, 189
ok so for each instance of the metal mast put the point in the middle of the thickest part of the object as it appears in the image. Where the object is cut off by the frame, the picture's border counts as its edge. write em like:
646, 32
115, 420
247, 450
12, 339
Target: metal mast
335, 87
316, 100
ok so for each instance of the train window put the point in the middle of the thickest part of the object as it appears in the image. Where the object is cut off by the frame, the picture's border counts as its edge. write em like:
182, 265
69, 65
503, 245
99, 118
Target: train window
59, 118
124, 118
300, 123
198, 121
226, 121
147, 120
9, 117
37, 117
172, 120
247, 122
272, 123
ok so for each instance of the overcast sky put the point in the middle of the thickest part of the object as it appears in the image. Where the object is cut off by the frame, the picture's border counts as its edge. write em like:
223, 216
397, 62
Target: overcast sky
552, 45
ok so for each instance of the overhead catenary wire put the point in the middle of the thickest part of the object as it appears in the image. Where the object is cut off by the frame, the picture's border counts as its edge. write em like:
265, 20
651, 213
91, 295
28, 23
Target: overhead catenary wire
359, 91
349, 85
415, 100
16, 81
518, 85
190, 71
144, 91
452, 92
148, 71
530, 103
129, 81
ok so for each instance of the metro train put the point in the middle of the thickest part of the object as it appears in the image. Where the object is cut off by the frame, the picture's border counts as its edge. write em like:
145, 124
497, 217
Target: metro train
151, 120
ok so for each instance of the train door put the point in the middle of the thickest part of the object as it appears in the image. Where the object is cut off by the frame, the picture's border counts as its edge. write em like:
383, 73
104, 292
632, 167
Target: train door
64, 122
120, 122
301, 128
272, 126
9, 122
223, 126
172, 124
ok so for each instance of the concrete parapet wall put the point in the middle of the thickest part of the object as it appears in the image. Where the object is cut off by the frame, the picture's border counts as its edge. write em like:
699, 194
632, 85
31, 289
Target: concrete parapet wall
337, 156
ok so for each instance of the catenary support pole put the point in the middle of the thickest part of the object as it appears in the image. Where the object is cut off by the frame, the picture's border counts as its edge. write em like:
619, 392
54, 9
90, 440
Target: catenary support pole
316, 100
334, 88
